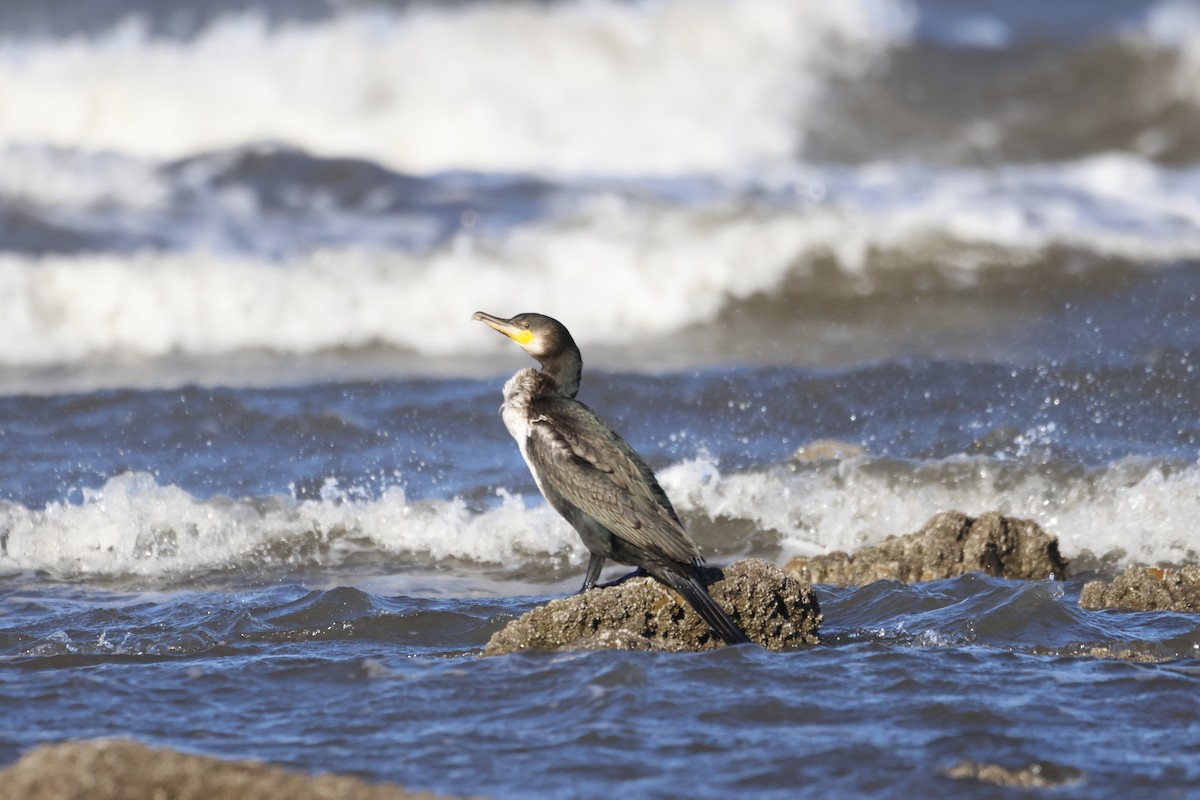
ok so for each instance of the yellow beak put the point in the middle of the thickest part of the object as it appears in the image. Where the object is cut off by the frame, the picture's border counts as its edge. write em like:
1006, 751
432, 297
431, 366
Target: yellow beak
521, 336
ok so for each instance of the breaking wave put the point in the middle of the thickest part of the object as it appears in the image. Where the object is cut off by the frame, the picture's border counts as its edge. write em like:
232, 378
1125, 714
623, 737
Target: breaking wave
680, 85
618, 266
134, 528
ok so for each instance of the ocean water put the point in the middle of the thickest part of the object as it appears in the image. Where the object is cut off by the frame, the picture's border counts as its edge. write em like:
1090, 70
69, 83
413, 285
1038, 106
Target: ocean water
255, 497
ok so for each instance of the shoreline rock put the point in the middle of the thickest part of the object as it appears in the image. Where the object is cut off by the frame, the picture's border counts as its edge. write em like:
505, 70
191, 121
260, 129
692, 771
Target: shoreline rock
1036, 775
1147, 589
776, 611
949, 545
120, 769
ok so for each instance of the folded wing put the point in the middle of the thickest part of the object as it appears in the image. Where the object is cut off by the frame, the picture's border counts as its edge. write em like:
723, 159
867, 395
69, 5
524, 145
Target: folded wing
584, 461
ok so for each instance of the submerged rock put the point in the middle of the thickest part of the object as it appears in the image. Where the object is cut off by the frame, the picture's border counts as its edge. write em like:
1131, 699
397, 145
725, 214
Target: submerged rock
949, 545
773, 608
116, 769
1147, 589
1141, 655
1031, 776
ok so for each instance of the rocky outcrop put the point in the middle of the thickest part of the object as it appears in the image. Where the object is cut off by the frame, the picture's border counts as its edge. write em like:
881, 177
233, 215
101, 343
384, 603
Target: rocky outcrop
1147, 589
950, 544
773, 608
116, 769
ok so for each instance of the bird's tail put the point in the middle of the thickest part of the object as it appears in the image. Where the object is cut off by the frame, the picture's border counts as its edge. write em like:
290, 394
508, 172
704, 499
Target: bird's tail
699, 598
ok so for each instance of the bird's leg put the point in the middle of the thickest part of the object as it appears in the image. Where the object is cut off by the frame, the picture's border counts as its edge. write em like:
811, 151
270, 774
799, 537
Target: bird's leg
595, 564
637, 573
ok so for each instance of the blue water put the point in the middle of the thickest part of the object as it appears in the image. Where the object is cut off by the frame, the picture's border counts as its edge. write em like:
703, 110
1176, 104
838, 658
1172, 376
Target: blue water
909, 682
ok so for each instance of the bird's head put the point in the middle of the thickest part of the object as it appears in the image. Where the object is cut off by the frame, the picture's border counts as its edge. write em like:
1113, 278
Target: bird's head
544, 338
547, 340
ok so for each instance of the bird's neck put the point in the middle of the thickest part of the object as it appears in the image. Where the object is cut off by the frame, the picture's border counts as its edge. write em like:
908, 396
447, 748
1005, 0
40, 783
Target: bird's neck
564, 372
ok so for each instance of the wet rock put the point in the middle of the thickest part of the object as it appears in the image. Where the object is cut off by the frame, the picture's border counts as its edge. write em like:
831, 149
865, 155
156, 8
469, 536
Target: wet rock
1140, 656
115, 769
949, 545
774, 609
1147, 589
1140, 652
1031, 776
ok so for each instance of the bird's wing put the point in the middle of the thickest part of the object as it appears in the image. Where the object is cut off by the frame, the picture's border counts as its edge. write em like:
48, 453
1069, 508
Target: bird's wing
582, 459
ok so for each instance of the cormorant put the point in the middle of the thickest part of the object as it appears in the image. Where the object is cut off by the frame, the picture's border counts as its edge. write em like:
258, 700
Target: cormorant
591, 476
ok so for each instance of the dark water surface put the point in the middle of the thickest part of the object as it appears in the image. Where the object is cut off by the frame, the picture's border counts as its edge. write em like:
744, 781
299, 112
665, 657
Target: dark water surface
910, 682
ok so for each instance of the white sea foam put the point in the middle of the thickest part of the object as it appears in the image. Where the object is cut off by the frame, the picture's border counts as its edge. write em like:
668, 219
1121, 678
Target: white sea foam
578, 86
134, 527
615, 267
1137, 508
1176, 24
73, 180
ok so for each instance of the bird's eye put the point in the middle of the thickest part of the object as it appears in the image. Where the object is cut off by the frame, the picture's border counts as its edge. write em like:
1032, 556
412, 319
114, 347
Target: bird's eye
525, 325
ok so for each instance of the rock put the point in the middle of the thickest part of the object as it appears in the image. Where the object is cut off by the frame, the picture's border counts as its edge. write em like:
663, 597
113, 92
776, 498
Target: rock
1031, 776
1147, 589
950, 544
774, 609
1125, 654
117, 769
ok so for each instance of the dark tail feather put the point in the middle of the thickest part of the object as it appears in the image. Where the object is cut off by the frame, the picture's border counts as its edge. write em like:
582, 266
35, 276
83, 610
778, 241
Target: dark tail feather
698, 598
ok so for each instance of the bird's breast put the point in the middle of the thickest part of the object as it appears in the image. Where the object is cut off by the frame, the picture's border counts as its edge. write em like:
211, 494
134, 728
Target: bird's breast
518, 395
517, 414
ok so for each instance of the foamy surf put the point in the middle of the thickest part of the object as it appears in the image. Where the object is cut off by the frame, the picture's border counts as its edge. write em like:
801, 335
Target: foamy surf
620, 266
1175, 25
1128, 510
651, 87
132, 528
